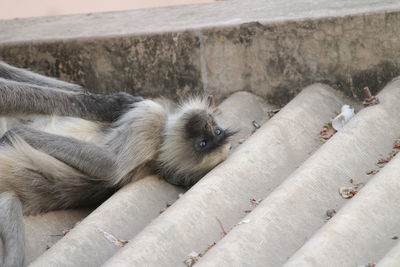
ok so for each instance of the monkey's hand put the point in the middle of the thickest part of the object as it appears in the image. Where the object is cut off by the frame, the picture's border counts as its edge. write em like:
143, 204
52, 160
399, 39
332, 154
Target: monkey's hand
116, 104
124, 98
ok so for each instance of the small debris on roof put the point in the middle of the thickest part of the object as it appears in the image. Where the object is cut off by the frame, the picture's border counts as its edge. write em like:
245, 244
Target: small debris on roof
66, 231
272, 113
255, 202
166, 207
194, 256
208, 248
396, 144
256, 125
356, 186
396, 148
370, 100
395, 237
326, 132
337, 123
369, 172
382, 161
222, 226
245, 221
344, 116
113, 239
330, 213
59, 234
242, 140
347, 192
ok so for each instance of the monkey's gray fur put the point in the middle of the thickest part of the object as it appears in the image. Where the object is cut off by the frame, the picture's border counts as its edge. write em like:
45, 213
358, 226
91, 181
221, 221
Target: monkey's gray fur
64, 147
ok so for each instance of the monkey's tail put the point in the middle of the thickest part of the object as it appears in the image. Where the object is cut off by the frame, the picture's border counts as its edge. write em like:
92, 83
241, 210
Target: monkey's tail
11, 230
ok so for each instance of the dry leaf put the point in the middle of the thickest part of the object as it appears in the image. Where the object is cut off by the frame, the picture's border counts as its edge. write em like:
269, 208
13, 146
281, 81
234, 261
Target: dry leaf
347, 192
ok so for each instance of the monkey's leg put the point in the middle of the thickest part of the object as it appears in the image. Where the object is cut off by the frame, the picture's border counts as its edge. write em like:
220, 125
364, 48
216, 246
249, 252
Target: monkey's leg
21, 75
88, 158
17, 98
12, 230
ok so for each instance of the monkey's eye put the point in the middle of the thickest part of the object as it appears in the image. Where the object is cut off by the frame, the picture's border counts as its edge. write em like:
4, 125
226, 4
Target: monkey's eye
203, 143
218, 131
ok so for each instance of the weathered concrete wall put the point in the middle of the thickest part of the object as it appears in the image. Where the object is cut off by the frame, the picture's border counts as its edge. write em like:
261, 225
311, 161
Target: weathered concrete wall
144, 65
276, 60
272, 49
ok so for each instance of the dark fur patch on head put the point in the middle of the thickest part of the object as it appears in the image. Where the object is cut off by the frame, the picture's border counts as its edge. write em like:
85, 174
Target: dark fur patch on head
196, 124
204, 133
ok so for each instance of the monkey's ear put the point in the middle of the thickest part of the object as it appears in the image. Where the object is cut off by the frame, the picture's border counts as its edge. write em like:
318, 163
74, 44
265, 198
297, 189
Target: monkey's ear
210, 102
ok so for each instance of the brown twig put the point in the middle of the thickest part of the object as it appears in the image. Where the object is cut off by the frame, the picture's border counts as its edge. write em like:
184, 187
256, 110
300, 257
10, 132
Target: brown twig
367, 93
221, 225
369, 98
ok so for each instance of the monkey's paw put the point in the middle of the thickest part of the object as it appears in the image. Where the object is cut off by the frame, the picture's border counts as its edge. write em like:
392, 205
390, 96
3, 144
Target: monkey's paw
123, 98
121, 102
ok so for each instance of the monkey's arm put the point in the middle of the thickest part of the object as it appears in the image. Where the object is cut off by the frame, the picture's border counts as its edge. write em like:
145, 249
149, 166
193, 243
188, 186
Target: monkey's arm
86, 157
21, 75
18, 98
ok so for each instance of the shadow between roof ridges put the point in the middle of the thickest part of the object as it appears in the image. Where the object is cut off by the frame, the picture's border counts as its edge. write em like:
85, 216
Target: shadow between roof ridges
220, 199
296, 209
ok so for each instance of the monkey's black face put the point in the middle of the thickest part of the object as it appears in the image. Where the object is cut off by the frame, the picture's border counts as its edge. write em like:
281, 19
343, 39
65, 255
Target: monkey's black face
205, 134
195, 147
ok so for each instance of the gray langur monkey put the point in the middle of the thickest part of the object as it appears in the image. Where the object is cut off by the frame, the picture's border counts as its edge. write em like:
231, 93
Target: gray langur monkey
63, 147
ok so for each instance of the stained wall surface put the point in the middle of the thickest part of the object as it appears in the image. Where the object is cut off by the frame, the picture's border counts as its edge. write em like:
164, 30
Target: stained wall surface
271, 48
